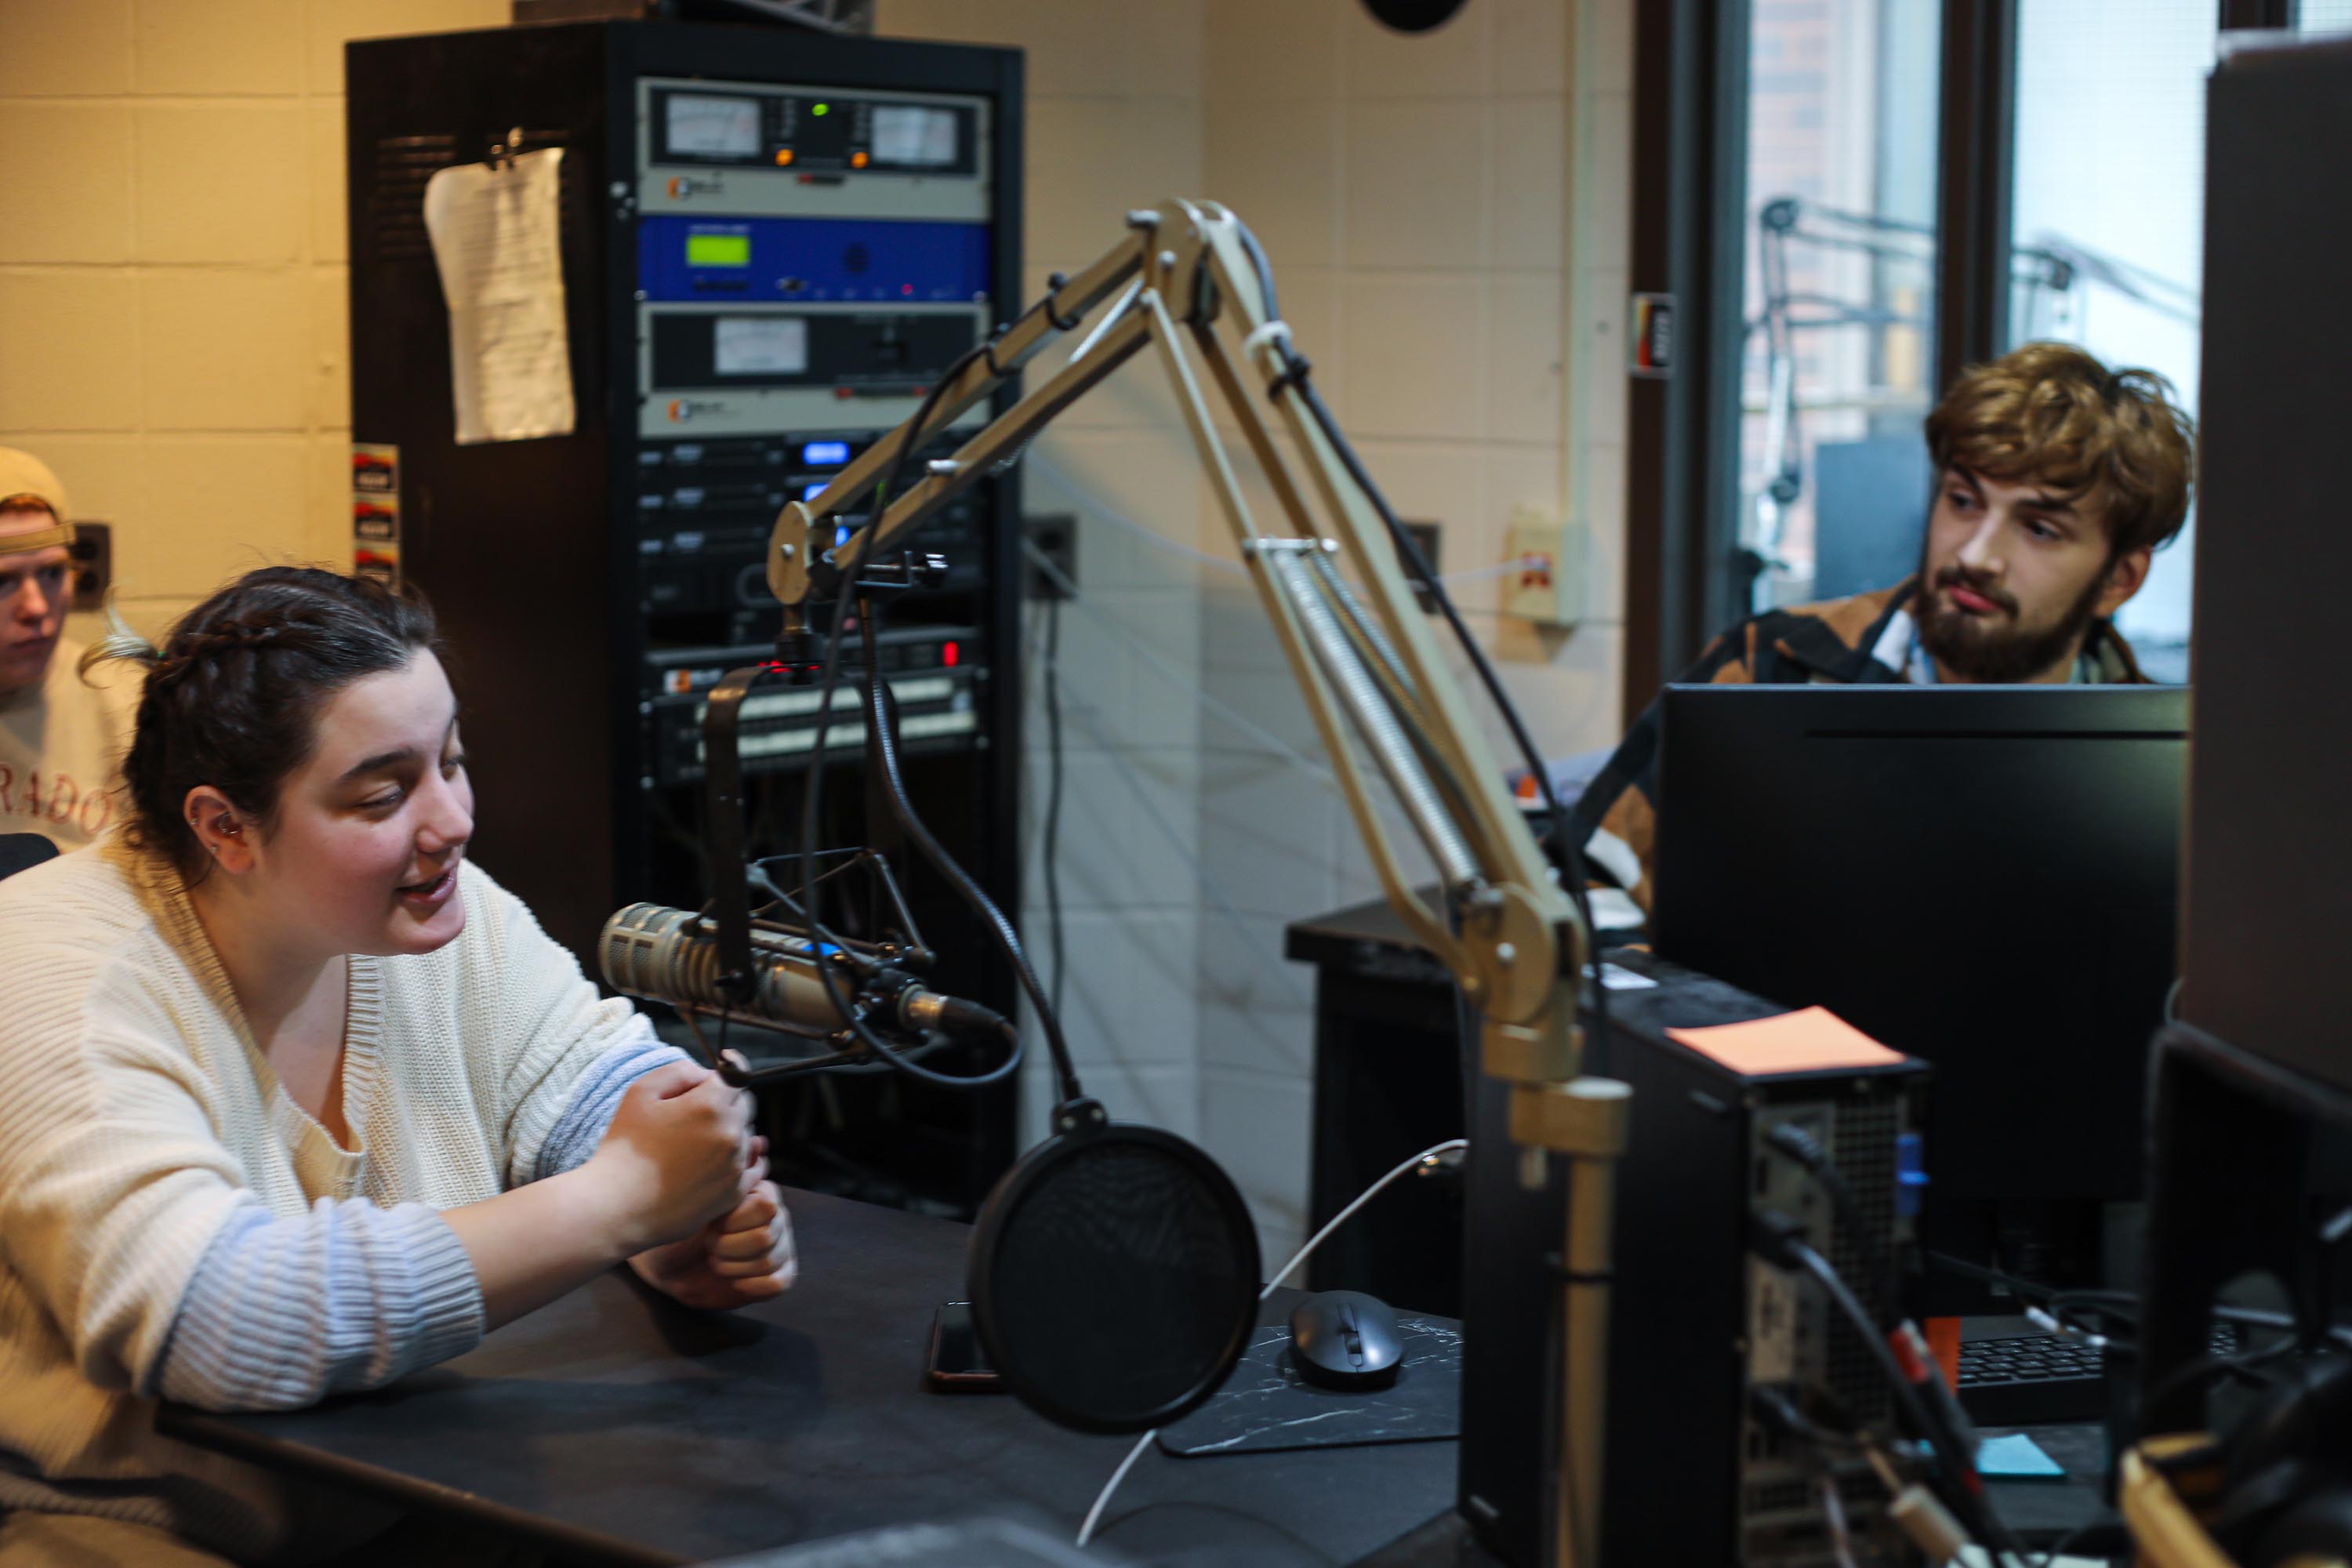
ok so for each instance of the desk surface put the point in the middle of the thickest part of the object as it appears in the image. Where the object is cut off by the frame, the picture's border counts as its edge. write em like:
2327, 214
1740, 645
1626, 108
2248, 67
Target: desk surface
1356, 934
629, 1429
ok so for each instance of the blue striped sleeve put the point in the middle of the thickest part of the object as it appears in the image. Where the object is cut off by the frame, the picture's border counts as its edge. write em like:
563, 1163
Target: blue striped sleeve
596, 1095
281, 1313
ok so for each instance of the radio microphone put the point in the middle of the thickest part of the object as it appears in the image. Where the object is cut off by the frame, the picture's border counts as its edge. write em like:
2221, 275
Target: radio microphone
672, 956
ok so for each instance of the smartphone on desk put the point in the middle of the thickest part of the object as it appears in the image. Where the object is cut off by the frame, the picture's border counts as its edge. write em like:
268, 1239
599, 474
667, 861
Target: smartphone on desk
957, 1364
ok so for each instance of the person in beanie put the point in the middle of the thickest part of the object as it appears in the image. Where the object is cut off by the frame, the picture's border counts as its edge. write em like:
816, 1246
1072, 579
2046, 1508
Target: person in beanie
59, 739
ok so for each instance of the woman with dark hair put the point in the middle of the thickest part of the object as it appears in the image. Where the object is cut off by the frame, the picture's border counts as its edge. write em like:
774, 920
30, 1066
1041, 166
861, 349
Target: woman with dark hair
294, 1100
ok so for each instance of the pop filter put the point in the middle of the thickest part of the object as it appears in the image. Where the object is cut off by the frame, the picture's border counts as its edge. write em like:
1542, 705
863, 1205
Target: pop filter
1113, 1275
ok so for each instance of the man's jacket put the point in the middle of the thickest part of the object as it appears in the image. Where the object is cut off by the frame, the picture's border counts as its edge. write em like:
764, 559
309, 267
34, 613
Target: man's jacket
1868, 638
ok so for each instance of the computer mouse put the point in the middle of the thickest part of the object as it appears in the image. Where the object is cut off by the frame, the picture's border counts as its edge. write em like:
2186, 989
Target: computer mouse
1345, 1338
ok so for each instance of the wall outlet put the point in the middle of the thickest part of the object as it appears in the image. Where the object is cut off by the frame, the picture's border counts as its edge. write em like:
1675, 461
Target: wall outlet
93, 564
1548, 586
1424, 536
1056, 537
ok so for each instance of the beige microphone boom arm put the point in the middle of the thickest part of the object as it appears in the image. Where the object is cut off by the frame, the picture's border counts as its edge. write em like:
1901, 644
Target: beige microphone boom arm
1187, 278
1519, 929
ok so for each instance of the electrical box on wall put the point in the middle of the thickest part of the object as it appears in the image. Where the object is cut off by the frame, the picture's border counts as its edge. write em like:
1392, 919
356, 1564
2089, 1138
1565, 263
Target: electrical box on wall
1051, 543
1547, 588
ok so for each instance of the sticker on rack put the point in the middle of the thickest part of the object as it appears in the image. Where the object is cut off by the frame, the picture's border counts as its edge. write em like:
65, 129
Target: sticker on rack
377, 521
375, 511
1652, 340
379, 564
376, 467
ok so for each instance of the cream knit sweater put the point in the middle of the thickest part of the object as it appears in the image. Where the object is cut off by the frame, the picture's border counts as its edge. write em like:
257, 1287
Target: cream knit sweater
138, 1123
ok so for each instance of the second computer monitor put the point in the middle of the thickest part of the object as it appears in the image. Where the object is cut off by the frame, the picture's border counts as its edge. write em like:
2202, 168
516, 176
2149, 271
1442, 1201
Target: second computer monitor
1985, 876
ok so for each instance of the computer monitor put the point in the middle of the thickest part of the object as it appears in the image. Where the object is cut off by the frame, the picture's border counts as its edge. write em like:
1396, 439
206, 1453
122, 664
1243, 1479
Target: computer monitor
1985, 876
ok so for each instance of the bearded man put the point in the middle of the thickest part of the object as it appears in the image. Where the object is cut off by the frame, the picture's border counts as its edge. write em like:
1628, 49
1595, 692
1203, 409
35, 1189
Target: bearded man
2057, 480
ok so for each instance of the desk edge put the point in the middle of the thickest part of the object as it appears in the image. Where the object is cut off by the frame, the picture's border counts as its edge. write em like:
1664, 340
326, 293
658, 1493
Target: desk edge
206, 1430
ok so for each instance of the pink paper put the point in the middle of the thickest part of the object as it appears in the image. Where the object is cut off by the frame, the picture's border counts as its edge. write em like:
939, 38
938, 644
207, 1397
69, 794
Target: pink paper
1808, 1041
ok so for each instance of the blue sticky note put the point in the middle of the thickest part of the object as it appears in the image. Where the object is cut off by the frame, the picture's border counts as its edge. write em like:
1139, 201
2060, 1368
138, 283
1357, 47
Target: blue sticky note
2015, 1457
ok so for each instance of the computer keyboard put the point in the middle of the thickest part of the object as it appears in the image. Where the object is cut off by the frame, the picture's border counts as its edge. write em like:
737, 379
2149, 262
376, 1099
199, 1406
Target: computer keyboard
2012, 1374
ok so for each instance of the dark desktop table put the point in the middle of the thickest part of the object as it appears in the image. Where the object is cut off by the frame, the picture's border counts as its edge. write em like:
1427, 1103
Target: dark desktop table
614, 1426
1388, 1081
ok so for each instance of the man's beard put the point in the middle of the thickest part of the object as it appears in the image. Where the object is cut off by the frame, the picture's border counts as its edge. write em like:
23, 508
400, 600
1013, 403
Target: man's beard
1975, 651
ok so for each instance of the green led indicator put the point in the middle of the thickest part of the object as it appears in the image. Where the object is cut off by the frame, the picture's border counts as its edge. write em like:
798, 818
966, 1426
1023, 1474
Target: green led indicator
820, 109
719, 251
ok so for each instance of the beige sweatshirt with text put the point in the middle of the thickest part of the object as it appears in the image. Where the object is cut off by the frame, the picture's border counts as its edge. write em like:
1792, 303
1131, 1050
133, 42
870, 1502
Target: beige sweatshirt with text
60, 743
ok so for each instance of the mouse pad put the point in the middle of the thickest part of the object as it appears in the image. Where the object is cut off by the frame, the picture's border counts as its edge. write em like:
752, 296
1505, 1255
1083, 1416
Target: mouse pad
1265, 1404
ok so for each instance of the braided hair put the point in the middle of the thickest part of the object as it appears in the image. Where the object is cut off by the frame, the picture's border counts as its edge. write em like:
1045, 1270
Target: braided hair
232, 699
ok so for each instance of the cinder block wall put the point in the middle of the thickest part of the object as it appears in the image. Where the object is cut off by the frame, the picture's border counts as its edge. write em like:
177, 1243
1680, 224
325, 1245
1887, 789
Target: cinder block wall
173, 326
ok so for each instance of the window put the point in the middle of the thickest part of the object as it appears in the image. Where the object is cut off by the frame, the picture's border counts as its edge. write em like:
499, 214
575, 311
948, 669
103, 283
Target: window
2106, 224
1838, 294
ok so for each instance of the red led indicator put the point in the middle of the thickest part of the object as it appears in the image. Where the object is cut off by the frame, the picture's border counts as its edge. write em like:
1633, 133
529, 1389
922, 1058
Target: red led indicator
905, 288
950, 656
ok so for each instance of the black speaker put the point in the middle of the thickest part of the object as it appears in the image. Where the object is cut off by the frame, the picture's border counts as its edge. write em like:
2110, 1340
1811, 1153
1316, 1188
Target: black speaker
1413, 16
2269, 845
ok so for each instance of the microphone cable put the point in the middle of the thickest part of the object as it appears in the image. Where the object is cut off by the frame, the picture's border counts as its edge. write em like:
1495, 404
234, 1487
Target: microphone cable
1429, 1160
847, 1005
1052, 831
1000, 931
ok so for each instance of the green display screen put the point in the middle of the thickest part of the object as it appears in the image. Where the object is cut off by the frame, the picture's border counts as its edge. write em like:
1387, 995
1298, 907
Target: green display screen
719, 251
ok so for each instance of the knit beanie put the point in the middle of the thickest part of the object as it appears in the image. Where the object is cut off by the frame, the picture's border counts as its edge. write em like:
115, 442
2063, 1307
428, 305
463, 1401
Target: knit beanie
23, 474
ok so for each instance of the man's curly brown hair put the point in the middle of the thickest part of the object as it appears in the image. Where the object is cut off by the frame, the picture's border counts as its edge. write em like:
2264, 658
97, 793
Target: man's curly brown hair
2050, 415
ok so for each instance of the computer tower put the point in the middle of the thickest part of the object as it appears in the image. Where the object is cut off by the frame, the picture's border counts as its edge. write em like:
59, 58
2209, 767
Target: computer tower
1695, 1322
770, 241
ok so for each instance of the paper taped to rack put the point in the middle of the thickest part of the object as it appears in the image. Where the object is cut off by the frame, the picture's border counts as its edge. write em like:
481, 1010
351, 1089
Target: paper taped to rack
497, 244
